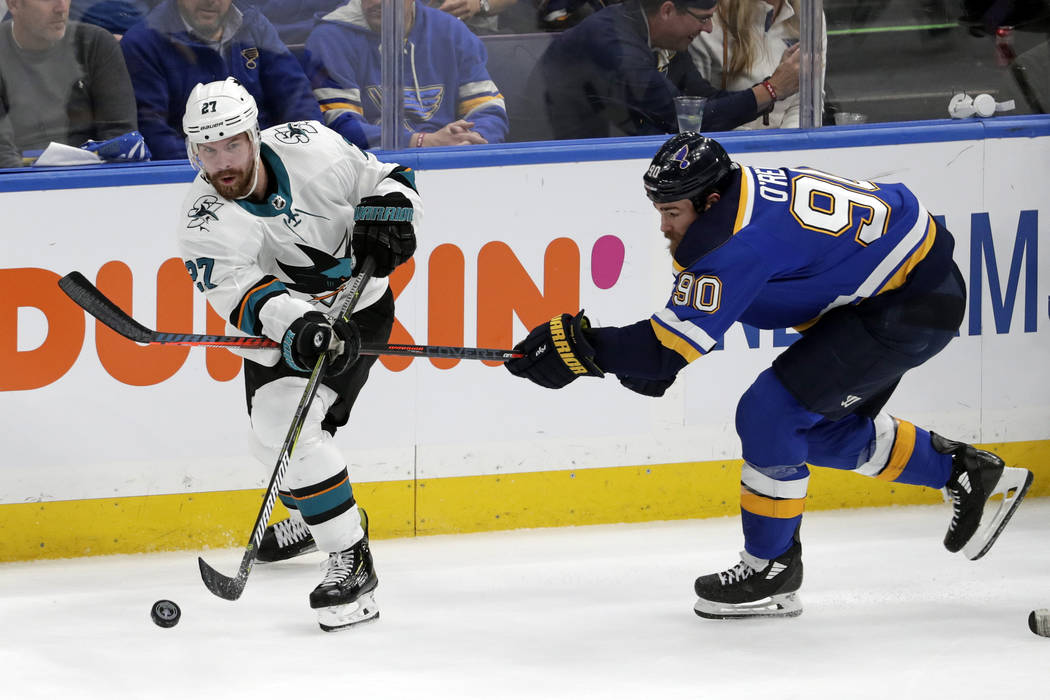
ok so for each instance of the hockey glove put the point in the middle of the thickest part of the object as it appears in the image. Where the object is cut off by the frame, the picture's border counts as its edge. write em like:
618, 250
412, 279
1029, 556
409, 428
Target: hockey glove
312, 334
646, 387
383, 229
556, 352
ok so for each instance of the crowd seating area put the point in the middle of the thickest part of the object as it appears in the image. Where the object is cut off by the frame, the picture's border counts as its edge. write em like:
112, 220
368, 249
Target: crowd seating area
886, 60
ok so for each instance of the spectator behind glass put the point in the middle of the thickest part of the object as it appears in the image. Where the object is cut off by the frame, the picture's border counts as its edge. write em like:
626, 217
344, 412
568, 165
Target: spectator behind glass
449, 98
759, 34
293, 19
482, 16
115, 16
619, 70
184, 42
60, 81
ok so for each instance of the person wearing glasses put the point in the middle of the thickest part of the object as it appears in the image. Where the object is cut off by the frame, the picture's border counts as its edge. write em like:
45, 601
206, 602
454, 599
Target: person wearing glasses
618, 71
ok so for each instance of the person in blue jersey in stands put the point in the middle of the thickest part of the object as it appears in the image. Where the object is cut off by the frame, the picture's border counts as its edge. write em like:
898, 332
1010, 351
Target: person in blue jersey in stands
449, 98
866, 274
184, 42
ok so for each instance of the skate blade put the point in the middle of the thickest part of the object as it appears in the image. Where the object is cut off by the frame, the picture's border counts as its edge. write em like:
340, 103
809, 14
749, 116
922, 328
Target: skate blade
1013, 485
783, 605
336, 618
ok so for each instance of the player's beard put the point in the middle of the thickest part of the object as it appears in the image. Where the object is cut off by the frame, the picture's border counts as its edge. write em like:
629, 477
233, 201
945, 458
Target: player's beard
240, 185
672, 242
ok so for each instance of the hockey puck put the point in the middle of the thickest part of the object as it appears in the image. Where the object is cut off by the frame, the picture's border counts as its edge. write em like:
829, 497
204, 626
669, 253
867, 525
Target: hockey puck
1039, 622
165, 613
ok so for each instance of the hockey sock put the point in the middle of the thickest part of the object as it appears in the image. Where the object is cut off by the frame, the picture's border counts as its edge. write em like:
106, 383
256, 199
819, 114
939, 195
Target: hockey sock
913, 460
771, 503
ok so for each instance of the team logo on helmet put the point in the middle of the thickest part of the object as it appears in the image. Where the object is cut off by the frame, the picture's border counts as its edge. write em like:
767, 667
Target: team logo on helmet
680, 157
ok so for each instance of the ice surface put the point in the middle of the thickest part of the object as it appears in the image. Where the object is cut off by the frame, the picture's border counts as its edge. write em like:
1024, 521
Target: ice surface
587, 612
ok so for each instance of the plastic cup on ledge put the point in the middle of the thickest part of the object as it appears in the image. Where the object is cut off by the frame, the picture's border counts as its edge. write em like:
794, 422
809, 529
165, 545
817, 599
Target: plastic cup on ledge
842, 118
690, 112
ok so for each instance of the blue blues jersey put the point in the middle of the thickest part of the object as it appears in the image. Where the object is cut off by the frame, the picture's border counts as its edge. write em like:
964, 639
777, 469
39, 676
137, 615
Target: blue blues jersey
781, 248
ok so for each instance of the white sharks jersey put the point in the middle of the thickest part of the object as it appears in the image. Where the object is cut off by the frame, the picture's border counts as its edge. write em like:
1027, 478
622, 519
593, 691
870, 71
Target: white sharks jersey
263, 265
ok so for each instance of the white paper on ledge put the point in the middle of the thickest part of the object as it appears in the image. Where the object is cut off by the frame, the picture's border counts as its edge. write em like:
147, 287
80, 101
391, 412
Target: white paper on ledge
61, 154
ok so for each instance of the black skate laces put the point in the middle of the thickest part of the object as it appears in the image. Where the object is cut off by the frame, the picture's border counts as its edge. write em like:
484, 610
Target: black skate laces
290, 531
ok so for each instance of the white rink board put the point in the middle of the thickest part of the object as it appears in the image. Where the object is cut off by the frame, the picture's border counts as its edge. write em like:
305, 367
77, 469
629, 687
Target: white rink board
87, 435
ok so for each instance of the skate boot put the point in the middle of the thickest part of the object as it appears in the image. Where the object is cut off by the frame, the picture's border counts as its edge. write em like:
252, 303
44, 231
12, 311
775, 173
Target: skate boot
753, 588
976, 477
286, 539
346, 595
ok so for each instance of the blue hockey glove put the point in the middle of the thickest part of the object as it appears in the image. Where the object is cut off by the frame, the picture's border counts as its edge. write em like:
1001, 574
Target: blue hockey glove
556, 353
311, 335
383, 229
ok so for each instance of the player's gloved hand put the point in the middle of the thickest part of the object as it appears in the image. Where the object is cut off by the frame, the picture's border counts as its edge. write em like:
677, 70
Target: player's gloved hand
556, 352
648, 387
383, 229
313, 334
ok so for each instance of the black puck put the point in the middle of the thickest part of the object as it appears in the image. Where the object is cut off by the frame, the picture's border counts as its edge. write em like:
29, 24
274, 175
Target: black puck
165, 613
1039, 622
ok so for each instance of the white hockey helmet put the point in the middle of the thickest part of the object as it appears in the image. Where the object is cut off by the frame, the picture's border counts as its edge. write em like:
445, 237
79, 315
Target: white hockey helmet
217, 111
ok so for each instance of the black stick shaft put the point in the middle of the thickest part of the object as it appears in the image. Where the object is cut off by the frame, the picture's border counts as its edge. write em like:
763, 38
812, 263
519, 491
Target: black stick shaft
85, 294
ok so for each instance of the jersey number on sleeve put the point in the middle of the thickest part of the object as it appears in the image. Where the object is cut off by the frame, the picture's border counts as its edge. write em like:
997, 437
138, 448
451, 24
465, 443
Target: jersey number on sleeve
205, 265
835, 205
703, 293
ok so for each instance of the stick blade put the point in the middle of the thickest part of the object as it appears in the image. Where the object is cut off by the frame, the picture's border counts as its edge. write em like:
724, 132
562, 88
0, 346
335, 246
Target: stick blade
223, 586
88, 297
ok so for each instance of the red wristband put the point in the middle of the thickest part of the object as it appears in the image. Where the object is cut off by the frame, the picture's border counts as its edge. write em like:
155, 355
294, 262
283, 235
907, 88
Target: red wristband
419, 140
769, 88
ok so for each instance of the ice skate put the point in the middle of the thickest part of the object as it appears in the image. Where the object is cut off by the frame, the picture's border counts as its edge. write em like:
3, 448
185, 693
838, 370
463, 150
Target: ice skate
753, 588
976, 477
346, 595
286, 539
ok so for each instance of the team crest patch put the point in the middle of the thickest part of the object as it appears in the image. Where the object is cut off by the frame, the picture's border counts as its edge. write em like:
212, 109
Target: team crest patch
295, 132
250, 56
204, 211
420, 106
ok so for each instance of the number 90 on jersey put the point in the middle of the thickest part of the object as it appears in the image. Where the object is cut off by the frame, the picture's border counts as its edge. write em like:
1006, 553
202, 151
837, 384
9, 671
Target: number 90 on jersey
703, 292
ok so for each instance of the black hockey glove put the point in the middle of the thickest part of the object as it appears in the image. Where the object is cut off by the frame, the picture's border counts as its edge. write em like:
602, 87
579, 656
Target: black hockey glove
311, 335
556, 352
383, 229
647, 387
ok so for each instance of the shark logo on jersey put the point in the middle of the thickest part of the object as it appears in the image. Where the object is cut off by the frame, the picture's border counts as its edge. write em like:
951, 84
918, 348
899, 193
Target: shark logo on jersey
295, 132
203, 212
324, 278
680, 157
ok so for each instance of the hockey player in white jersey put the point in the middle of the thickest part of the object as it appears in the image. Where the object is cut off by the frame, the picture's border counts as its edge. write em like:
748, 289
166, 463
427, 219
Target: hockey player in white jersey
272, 229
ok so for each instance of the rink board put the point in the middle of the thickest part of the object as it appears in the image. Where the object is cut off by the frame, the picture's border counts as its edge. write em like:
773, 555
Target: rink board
115, 448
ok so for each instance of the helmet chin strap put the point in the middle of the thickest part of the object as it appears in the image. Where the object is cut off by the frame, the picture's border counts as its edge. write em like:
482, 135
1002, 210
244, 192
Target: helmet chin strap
255, 179
256, 140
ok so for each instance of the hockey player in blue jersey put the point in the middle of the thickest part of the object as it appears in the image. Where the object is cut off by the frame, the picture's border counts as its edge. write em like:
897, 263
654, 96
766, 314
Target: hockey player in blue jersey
866, 275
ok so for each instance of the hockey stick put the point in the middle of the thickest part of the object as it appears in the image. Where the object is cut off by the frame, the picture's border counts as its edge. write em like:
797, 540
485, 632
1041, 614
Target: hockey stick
87, 296
231, 588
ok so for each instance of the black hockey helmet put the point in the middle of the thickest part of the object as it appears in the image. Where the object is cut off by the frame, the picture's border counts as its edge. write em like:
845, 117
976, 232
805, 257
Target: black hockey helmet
688, 166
